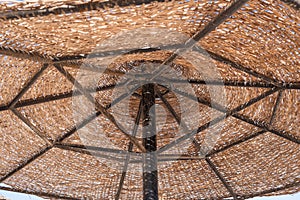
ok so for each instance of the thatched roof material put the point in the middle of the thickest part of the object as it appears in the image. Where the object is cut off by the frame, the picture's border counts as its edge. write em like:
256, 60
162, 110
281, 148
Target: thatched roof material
249, 145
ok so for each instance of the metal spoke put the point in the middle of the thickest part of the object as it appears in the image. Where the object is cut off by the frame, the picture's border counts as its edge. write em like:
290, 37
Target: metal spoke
99, 107
31, 126
218, 119
71, 60
18, 53
221, 83
103, 152
75, 60
22, 165
277, 102
212, 25
98, 154
61, 138
49, 98
242, 117
190, 134
27, 86
93, 116
221, 178
171, 157
130, 147
292, 86
68, 94
166, 157
94, 148
253, 135
244, 69
262, 125
236, 143
3, 108
88, 67
176, 117
262, 193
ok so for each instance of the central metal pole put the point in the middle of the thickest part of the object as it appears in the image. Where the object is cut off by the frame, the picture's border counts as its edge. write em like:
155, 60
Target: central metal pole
150, 183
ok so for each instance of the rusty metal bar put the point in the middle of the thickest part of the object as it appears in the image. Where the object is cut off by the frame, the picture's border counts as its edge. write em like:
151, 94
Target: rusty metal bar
212, 25
130, 147
242, 117
287, 186
218, 119
221, 178
27, 86
60, 139
150, 182
99, 107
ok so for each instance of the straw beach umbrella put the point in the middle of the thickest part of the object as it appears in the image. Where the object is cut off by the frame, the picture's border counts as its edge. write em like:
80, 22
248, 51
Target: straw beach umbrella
142, 99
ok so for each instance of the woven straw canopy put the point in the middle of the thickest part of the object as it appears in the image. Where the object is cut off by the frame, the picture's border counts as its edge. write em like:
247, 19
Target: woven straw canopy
225, 84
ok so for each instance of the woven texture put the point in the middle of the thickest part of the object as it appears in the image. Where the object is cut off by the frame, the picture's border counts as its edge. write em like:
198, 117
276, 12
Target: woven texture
228, 128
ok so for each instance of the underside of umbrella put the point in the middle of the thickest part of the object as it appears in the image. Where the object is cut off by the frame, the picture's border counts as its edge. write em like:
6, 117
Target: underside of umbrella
143, 99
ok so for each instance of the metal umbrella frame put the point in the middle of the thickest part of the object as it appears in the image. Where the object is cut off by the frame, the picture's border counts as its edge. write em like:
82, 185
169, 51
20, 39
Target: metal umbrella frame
271, 84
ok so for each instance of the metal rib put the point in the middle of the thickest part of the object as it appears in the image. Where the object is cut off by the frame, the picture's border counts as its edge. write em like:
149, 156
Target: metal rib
262, 193
277, 102
98, 154
236, 143
65, 60
93, 116
212, 25
22, 165
262, 125
49, 98
31, 126
176, 117
222, 83
221, 178
243, 68
242, 117
130, 147
93, 148
18, 53
27, 86
60, 139
218, 119
99, 106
